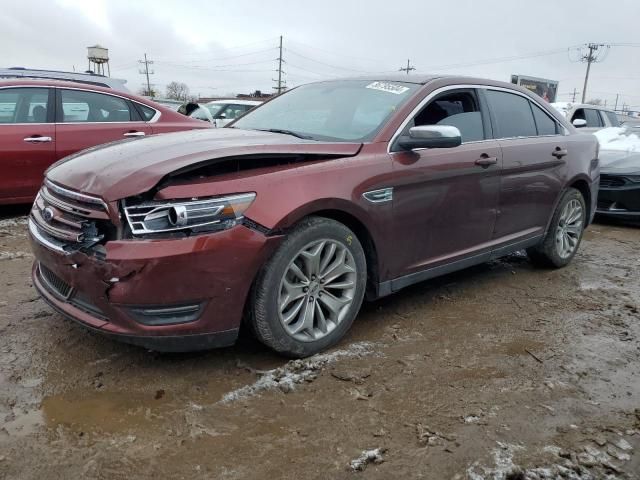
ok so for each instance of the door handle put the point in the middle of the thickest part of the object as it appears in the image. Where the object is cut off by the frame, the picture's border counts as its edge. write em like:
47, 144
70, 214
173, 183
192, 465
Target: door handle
38, 139
560, 152
486, 161
134, 134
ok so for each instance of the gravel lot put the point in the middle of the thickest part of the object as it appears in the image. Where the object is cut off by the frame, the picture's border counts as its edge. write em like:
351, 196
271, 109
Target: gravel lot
501, 371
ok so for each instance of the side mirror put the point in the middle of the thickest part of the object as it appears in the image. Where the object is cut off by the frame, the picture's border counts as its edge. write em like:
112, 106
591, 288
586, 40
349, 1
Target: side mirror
223, 115
579, 123
431, 136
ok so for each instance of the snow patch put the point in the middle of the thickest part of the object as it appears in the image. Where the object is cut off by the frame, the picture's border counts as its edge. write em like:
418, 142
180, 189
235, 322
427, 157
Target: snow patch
292, 373
13, 222
503, 460
618, 139
365, 458
14, 255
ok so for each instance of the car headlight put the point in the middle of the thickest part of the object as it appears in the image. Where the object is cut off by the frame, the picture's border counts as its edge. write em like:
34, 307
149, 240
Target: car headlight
201, 215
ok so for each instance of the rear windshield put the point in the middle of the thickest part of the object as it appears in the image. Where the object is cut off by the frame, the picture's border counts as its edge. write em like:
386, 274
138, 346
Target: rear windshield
342, 110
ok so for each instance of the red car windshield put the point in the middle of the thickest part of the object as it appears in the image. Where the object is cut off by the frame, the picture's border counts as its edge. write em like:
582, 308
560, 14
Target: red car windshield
344, 110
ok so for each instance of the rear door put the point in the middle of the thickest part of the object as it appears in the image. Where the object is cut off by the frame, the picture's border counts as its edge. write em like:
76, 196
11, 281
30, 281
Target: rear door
27, 141
86, 118
534, 151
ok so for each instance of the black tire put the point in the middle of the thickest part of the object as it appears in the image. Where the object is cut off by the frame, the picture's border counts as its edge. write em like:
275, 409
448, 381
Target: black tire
264, 313
547, 253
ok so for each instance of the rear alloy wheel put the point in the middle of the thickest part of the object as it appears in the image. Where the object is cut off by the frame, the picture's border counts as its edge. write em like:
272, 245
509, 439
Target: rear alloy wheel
565, 232
309, 292
569, 229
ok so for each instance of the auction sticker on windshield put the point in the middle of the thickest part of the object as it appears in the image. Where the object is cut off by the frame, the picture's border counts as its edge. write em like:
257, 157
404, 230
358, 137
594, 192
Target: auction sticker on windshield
388, 87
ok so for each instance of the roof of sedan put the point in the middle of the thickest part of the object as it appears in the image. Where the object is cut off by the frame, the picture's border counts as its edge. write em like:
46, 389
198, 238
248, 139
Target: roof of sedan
418, 79
17, 82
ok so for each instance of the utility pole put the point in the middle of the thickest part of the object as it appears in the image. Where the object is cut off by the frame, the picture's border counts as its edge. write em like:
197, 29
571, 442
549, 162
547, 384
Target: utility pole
589, 59
146, 72
616, 105
408, 68
281, 86
574, 95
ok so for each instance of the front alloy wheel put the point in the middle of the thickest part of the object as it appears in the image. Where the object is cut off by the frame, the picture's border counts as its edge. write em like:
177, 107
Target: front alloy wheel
317, 290
308, 293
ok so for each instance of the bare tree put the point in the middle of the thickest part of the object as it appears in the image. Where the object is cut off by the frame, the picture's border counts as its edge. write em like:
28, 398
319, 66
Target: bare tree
178, 91
147, 93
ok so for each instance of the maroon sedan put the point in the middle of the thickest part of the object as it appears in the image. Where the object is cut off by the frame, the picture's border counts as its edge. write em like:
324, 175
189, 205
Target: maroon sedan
42, 121
288, 217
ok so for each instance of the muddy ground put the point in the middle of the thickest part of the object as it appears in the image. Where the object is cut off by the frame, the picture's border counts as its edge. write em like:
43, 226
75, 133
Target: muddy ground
499, 371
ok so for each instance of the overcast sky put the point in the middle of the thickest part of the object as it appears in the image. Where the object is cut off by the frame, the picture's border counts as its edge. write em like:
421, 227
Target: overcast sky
223, 46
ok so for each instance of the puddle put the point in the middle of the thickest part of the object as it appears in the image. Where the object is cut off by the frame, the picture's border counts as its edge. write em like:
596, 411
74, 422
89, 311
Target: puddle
108, 411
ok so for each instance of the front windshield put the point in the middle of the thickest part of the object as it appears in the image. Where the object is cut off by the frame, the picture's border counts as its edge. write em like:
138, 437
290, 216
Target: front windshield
344, 110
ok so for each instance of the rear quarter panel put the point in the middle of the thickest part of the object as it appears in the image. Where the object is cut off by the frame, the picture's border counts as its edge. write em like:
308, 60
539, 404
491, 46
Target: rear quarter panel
583, 165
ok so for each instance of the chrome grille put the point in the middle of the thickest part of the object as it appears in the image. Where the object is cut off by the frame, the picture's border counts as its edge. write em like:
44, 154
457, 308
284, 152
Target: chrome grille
66, 218
54, 283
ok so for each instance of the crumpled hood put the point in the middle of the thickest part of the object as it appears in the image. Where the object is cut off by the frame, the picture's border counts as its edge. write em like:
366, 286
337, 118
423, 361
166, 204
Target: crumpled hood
619, 163
130, 167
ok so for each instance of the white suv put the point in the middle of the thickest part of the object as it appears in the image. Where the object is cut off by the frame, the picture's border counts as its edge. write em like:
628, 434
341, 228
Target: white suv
588, 118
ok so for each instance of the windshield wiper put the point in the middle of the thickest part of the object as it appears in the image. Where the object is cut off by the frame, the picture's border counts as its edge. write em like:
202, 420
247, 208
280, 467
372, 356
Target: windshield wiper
285, 132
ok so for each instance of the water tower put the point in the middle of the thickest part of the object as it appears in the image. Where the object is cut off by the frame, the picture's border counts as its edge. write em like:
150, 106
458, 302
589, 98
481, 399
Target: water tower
98, 57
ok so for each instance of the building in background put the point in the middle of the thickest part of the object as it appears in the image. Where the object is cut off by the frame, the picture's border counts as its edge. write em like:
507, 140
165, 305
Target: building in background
547, 89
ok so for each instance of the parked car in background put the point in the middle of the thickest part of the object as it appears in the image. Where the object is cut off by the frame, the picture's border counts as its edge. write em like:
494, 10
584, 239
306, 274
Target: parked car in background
167, 102
630, 122
619, 194
85, 78
588, 118
218, 112
291, 214
42, 121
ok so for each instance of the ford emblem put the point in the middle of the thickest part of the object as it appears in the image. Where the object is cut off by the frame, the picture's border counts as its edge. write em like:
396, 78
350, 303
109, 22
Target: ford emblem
47, 214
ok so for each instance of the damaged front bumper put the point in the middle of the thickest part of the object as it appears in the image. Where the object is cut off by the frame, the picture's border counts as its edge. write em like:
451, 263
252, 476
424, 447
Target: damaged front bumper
166, 295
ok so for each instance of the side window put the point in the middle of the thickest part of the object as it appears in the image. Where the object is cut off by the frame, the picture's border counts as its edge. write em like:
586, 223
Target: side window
147, 112
458, 109
83, 106
592, 118
512, 115
546, 125
24, 105
613, 118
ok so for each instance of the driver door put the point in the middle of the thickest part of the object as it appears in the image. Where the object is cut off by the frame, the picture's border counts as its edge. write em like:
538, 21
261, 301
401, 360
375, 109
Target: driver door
445, 199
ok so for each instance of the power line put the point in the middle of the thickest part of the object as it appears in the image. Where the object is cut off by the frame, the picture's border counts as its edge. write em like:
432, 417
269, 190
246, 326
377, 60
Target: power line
335, 54
210, 67
146, 72
226, 57
335, 67
498, 60
408, 68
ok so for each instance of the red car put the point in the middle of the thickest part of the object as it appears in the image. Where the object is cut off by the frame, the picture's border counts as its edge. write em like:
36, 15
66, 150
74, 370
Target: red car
42, 121
294, 212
